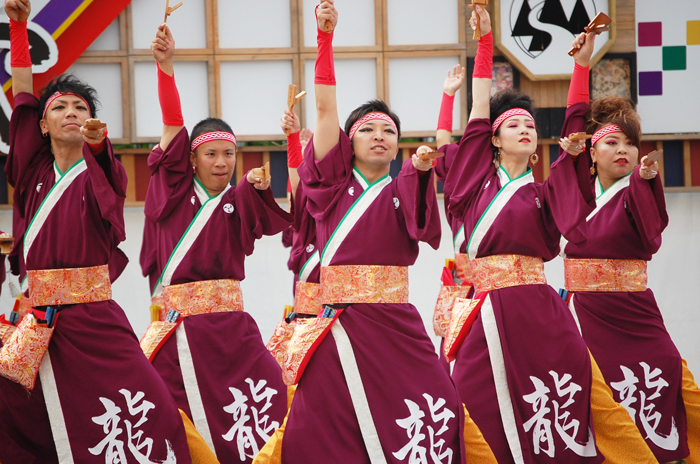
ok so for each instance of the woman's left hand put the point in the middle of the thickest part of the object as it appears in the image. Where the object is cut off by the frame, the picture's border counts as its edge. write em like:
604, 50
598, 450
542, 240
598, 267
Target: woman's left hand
648, 172
572, 148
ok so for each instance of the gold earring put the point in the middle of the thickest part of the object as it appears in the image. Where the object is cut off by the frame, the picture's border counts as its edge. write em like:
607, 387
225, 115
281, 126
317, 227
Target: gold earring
593, 169
534, 158
44, 134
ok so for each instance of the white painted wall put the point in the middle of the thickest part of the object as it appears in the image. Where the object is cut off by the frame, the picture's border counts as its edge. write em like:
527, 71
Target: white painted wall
673, 275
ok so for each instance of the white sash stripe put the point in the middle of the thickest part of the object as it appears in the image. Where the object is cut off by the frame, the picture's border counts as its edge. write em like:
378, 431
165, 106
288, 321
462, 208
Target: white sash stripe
194, 397
360, 179
309, 267
53, 407
356, 211
494, 209
572, 307
602, 199
498, 365
357, 394
188, 239
459, 239
49, 203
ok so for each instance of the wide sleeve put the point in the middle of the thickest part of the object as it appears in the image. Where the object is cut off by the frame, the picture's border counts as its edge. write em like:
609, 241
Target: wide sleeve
325, 180
171, 177
259, 214
418, 202
646, 201
442, 164
472, 163
108, 183
26, 141
568, 195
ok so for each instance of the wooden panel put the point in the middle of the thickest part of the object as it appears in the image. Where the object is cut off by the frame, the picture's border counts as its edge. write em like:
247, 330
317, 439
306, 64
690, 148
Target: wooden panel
127, 160
695, 163
626, 34
252, 160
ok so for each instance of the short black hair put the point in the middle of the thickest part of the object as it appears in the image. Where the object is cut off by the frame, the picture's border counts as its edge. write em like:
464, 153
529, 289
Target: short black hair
372, 106
68, 83
210, 125
507, 100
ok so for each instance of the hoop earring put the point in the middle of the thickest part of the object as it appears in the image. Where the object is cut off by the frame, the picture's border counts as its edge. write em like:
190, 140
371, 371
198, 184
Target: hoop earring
44, 134
534, 158
593, 169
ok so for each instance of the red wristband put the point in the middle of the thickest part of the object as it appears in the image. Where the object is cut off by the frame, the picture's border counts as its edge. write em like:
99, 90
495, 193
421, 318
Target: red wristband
483, 63
97, 148
169, 100
19, 45
445, 118
578, 89
325, 67
294, 155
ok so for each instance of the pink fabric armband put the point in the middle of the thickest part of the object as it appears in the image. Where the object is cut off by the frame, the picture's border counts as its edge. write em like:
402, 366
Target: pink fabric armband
19, 45
445, 118
578, 89
294, 155
325, 67
169, 100
483, 63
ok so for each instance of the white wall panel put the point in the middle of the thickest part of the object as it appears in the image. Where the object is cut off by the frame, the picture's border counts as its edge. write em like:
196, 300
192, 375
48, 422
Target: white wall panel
254, 95
357, 83
109, 39
413, 22
415, 91
250, 25
192, 82
106, 78
187, 23
355, 23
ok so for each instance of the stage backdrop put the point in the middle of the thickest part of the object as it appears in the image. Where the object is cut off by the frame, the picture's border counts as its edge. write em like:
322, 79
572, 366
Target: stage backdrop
668, 60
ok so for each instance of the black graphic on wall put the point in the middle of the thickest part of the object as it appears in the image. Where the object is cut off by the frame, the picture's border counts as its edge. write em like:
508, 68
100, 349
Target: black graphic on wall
529, 30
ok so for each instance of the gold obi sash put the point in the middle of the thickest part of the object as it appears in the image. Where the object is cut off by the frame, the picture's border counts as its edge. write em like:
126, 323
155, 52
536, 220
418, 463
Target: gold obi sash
463, 267
307, 298
364, 284
158, 312
203, 297
605, 275
501, 271
56, 287
443, 307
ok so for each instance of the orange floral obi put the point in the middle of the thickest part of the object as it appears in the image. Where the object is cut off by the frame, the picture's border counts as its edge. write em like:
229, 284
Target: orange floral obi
21, 356
443, 308
501, 271
56, 287
155, 337
605, 275
463, 267
364, 284
307, 298
158, 306
204, 297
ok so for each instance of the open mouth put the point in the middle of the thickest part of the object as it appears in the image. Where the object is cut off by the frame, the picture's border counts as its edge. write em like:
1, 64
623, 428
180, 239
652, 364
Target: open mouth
525, 140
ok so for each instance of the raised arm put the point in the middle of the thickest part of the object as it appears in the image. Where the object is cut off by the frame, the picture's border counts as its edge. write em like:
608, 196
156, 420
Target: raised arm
290, 125
450, 87
163, 48
483, 65
20, 59
327, 123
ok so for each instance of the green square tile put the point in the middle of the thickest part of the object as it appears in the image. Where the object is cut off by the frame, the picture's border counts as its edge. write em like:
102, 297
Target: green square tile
674, 58
693, 32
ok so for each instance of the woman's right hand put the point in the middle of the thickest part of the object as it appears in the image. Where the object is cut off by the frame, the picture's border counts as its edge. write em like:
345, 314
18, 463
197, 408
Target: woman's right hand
326, 12
163, 46
454, 82
18, 10
584, 43
481, 15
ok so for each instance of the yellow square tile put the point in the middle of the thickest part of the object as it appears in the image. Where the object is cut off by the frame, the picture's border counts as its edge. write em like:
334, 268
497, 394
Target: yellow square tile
693, 32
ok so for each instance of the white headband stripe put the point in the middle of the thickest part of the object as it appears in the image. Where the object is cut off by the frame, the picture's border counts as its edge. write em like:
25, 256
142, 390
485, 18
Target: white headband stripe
509, 114
371, 117
210, 136
607, 130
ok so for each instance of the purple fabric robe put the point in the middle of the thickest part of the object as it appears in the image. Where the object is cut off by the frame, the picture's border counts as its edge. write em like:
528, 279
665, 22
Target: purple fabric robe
625, 330
389, 340
538, 336
227, 349
104, 382
304, 243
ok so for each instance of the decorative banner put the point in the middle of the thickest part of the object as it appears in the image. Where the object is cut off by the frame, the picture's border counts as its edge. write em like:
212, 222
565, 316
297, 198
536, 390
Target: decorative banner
535, 35
58, 34
668, 60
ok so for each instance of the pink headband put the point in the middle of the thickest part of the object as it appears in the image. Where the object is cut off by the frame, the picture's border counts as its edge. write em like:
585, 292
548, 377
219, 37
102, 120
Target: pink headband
607, 130
508, 114
60, 94
371, 117
209, 136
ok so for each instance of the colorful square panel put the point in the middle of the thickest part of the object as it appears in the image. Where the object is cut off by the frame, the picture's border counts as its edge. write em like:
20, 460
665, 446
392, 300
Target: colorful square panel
649, 34
693, 32
651, 83
674, 58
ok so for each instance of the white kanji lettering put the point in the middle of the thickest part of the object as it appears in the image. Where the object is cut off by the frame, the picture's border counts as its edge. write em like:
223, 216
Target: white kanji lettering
413, 424
414, 450
542, 433
627, 388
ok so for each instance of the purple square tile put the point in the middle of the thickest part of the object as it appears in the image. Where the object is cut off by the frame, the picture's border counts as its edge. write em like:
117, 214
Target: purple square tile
651, 83
649, 34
